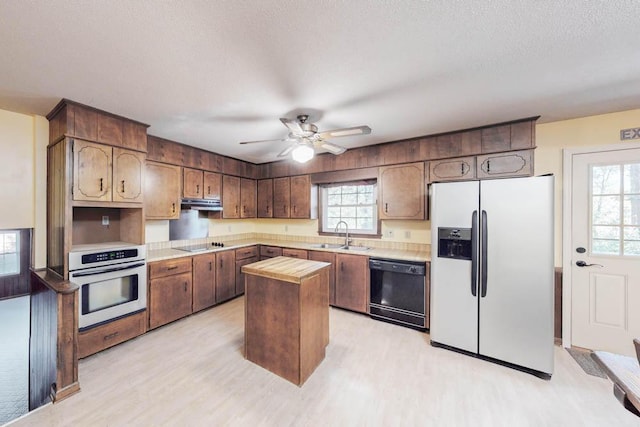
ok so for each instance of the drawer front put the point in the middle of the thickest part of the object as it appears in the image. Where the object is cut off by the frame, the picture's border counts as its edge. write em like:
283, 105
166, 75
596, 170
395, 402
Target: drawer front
169, 267
270, 251
244, 253
295, 253
105, 336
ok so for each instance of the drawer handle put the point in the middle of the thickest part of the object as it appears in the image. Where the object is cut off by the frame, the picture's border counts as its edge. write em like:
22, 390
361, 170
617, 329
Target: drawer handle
110, 336
172, 268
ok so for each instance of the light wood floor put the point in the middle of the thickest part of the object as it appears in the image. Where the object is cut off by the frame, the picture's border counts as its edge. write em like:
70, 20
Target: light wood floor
192, 373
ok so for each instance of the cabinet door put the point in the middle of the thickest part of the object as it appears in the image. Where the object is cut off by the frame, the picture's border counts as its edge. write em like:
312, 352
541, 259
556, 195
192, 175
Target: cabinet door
128, 175
514, 163
265, 198
247, 198
230, 196
225, 275
91, 171
192, 180
295, 253
269, 252
402, 191
281, 197
300, 196
327, 257
240, 275
352, 282
212, 185
169, 299
162, 191
452, 169
204, 281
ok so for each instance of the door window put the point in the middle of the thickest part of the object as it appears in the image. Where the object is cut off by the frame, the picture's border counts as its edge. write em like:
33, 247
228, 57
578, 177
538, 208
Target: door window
615, 209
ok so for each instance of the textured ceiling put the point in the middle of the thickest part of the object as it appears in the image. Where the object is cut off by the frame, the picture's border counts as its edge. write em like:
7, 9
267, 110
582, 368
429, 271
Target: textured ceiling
213, 73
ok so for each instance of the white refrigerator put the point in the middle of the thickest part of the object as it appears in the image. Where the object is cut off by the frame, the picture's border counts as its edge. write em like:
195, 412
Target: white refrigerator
492, 270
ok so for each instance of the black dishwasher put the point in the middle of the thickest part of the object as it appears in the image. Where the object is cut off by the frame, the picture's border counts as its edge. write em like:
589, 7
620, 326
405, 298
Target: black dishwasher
397, 292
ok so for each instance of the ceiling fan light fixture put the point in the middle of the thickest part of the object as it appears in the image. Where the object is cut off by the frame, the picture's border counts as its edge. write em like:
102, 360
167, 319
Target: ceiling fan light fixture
302, 153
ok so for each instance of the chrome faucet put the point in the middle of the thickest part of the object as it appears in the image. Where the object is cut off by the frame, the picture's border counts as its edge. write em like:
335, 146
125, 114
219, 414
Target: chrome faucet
346, 233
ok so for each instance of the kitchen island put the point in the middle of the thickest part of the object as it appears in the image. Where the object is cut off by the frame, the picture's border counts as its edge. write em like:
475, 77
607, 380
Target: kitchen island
287, 315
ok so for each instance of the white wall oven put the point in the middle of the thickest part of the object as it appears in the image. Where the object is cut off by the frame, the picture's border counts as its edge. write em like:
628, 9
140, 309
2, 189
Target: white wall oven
112, 280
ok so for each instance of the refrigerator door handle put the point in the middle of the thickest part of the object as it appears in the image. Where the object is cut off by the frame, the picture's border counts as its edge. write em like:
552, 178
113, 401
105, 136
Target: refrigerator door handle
483, 256
474, 253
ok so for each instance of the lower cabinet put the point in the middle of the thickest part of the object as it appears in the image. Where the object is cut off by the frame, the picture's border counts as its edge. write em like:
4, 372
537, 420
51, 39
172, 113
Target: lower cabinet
269, 252
170, 291
244, 256
352, 282
331, 258
295, 253
225, 275
112, 333
204, 281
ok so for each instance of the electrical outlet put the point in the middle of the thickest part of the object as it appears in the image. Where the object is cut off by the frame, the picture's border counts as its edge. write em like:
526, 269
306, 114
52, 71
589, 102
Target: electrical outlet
286, 228
105, 220
389, 233
229, 228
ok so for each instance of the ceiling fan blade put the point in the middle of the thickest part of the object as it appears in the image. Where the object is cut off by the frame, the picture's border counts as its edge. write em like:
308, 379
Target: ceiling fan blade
293, 125
286, 151
357, 130
267, 140
332, 148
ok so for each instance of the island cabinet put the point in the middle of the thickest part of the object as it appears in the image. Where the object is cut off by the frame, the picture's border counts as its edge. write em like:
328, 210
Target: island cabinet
204, 281
248, 198
230, 196
192, 183
170, 291
287, 316
352, 282
401, 190
265, 198
107, 174
244, 256
162, 190
225, 275
328, 257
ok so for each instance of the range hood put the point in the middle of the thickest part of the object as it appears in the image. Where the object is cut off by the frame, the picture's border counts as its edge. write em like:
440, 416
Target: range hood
202, 204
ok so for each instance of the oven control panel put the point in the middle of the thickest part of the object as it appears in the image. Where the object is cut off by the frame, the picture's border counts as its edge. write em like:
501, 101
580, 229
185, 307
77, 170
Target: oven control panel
109, 256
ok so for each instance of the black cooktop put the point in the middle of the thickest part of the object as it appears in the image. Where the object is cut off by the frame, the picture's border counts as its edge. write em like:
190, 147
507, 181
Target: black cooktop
200, 247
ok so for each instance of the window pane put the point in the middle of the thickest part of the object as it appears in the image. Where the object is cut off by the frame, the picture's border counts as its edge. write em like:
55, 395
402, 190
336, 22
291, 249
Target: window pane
632, 248
632, 210
333, 212
632, 178
331, 223
334, 190
365, 211
349, 199
606, 210
349, 189
365, 199
348, 212
632, 233
605, 179
606, 247
365, 223
334, 200
9, 253
604, 232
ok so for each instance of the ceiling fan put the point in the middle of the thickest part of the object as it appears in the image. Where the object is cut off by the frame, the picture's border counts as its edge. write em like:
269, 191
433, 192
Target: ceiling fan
305, 138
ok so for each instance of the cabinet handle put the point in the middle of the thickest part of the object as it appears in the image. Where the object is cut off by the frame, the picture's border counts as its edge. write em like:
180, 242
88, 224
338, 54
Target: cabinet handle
244, 209
172, 268
386, 207
267, 208
108, 337
185, 286
197, 188
488, 166
236, 208
173, 208
123, 185
294, 208
461, 169
210, 266
221, 263
208, 189
100, 184
342, 266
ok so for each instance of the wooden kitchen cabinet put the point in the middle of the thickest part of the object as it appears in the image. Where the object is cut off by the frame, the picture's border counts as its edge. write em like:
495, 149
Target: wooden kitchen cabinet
281, 197
162, 191
225, 275
230, 196
128, 175
452, 169
401, 190
204, 281
329, 257
269, 252
352, 282
247, 198
244, 256
192, 183
112, 333
295, 253
170, 291
212, 185
265, 198
300, 198
513, 163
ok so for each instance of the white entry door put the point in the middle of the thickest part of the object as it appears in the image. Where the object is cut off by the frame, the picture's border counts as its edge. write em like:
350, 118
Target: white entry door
605, 248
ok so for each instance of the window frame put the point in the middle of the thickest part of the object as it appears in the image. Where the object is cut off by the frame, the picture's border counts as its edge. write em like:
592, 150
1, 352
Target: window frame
17, 254
323, 206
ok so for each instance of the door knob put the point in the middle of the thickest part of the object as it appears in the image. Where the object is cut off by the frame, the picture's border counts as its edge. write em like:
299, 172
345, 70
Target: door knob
584, 264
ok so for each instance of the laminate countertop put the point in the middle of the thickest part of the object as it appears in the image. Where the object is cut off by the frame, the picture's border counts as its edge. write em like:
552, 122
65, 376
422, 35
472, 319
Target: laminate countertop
285, 269
395, 254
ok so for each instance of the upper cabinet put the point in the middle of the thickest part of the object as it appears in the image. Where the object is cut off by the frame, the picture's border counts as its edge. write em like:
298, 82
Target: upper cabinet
247, 198
281, 197
192, 183
212, 185
230, 196
401, 191
265, 198
452, 169
162, 189
105, 174
292, 197
513, 163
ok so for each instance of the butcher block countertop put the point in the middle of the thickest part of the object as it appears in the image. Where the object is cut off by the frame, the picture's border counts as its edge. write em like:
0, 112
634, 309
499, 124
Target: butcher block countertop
397, 254
285, 269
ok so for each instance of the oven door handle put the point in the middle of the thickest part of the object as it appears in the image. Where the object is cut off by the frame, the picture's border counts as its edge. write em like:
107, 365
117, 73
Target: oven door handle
107, 270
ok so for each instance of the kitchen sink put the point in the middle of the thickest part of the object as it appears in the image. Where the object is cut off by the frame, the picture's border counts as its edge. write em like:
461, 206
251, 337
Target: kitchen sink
327, 245
355, 248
